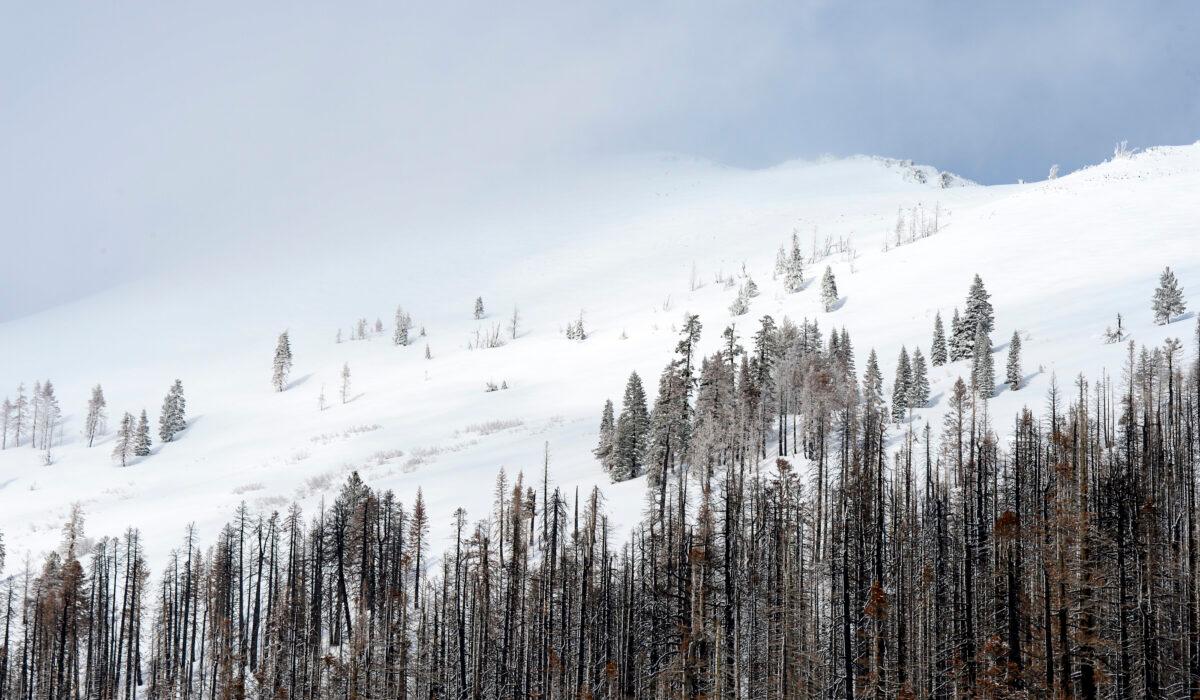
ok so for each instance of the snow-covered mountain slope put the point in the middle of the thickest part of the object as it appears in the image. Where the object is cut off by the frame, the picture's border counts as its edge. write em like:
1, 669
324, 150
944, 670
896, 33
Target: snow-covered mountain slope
1061, 259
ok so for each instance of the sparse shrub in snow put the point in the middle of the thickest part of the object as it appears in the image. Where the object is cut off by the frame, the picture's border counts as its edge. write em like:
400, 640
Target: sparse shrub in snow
493, 426
1168, 298
247, 488
489, 338
514, 322
491, 386
382, 456
1122, 151
1053, 172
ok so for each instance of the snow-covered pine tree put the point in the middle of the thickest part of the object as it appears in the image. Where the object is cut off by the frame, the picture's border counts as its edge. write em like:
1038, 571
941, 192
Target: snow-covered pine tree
983, 373
338, 338
141, 442
608, 425
172, 419
360, 329
633, 424
1168, 298
283, 362
1013, 368
93, 424
740, 304
751, 288
403, 325
35, 426
478, 308
794, 275
6, 414
873, 384
780, 263
962, 338
979, 309
829, 290
937, 350
918, 391
345, 382
322, 404
901, 386
126, 434
428, 355
51, 414
20, 415
378, 325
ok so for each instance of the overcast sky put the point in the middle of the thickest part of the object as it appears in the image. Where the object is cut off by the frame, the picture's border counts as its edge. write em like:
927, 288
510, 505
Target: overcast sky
128, 131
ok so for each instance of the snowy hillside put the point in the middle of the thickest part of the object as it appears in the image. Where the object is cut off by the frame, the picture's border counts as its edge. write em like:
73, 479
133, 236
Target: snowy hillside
1061, 259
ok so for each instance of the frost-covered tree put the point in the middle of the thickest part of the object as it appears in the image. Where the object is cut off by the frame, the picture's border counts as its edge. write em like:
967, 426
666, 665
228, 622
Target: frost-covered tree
918, 390
575, 329
93, 424
173, 417
345, 382
20, 413
6, 414
829, 290
50, 413
605, 448
378, 325
1168, 298
322, 403
1012, 371
633, 424
780, 263
962, 338
141, 441
360, 329
983, 373
901, 386
403, 326
979, 308
514, 323
740, 304
478, 308
937, 349
283, 362
428, 355
126, 437
873, 384
794, 268
338, 338
751, 288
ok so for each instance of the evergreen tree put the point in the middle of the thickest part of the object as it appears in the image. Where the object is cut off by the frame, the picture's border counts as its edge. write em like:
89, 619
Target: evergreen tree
901, 386
740, 304
93, 424
605, 449
794, 273
751, 288
1168, 298
829, 290
6, 416
983, 374
283, 362
918, 391
780, 263
937, 351
403, 326
1013, 369
126, 437
873, 384
632, 426
345, 382
51, 414
478, 308
428, 355
20, 414
173, 418
141, 442
962, 338
979, 309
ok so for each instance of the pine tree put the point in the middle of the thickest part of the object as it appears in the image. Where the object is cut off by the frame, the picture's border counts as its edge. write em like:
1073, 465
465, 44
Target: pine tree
780, 263
345, 382
901, 386
979, 309
983, 374
51, 414
478, 308
873, 384
93, 424
829, 290
6, 417
605, 448
173, 418
141, 442
962, 338
428, 355
937, 351
20, 414
322, 404
403, 326
751, 288
633, 424
283, 362
794, 275
1168, 298
1013, 369
918, 391
126, 437
740, 304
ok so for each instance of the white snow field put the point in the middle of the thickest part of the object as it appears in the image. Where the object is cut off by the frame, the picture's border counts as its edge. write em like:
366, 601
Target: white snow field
1060, 258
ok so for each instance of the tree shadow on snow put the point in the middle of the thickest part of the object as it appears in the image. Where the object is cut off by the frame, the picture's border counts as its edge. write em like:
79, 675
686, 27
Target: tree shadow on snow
298, 381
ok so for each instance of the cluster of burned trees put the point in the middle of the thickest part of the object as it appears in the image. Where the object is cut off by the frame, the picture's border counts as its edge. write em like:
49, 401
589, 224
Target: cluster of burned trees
796, 541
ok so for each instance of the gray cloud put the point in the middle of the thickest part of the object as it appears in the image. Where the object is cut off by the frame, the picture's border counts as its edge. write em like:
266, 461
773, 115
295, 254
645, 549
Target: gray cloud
135, 135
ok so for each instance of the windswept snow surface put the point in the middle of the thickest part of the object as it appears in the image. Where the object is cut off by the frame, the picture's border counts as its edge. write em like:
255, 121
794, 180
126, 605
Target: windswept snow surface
1060, 258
